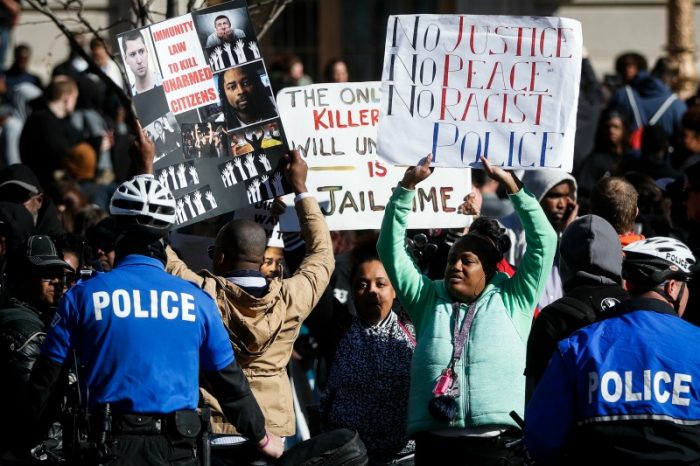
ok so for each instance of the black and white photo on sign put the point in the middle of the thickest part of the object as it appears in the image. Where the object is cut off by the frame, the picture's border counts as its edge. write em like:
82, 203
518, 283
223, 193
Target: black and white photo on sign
264, 187
164, 132
245, 95
227, 33
195, 204
244, 167
205, 140
142, 69
228, 55
179, 176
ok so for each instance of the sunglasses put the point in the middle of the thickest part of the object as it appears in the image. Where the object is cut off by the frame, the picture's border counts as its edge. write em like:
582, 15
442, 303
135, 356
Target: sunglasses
210, 251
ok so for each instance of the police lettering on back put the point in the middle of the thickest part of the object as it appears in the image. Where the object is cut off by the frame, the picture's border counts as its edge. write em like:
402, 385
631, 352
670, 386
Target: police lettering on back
127, 303
659, 386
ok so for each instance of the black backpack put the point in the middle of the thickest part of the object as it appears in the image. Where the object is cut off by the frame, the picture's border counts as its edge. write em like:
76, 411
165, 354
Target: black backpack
340, 447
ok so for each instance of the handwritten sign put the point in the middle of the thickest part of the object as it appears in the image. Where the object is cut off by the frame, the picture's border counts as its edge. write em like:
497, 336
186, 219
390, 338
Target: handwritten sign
461, 87
334, 126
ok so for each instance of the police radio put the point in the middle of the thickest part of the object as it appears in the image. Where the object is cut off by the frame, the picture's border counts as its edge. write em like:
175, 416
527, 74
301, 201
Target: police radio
85, 271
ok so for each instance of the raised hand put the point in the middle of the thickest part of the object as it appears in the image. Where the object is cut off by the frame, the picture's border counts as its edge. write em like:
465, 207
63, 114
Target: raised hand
296, 171
239, 164
251, 194
194, 174
227, 47
210, 197
181, 210
142, 151
240, 53
181, 175
214, 62
415, 175
256, 184
472, 203
250, 165
277, 184
254, 48
509, 180
266, 163
198, 202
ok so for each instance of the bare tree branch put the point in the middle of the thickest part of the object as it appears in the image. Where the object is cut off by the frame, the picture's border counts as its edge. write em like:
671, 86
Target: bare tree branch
125, 100
276, 11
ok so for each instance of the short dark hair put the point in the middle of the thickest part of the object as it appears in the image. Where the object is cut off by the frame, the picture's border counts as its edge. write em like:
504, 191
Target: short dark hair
243, 240
630, 58
130, 36
615, 199
222, 17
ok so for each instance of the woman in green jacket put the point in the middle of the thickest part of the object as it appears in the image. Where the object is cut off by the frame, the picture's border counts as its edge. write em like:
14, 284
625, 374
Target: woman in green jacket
471, 327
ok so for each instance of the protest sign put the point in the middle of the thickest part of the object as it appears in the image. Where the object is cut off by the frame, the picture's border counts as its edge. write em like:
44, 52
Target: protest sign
462, 87
334, 126
202, 93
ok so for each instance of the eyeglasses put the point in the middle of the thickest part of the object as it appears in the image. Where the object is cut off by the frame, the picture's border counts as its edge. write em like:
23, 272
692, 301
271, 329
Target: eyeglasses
210, 251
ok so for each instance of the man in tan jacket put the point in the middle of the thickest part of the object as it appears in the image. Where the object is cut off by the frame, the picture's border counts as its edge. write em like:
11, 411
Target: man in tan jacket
264, 319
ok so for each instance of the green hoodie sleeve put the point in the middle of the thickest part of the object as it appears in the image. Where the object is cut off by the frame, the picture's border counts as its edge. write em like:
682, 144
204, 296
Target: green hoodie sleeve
523, 290
413, 289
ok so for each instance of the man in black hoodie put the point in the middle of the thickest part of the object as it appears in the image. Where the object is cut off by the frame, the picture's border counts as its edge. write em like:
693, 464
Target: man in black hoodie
590, 264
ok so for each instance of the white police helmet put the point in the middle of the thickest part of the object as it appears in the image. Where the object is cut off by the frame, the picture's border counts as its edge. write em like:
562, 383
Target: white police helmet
655, 260
143, 203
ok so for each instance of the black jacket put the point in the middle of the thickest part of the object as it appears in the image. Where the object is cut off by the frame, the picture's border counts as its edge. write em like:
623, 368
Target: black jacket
22, 333
578, 308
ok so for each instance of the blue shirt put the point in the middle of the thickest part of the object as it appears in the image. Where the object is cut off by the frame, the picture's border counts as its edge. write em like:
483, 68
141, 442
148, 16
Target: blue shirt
142, 336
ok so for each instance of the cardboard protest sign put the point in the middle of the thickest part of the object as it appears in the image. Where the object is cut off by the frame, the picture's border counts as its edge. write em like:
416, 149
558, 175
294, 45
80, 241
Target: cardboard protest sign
462, 87
334, 126
202, 93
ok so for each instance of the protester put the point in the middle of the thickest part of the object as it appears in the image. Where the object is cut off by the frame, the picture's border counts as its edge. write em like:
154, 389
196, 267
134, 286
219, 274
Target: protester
367, 389
461, 393
336, 71
615, 200
264, 318
36, 277
612, 148
556, 192
590, 263
582, 413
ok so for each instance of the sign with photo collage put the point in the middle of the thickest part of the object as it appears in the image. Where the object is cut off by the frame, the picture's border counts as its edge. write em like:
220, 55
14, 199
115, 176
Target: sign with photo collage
201, 90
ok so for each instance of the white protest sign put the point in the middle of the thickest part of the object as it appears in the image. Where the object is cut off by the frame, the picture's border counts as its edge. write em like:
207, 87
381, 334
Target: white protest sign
187, 78
461, 87
334, 126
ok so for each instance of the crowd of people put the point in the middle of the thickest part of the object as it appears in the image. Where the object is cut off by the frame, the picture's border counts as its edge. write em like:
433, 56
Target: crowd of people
568, 299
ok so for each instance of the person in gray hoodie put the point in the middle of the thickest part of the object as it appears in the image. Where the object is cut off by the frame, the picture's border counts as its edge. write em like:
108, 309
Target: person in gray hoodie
556, 192
590, 263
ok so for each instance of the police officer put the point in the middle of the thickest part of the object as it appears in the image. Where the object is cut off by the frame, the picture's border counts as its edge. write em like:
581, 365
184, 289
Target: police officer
142, 337
624, 389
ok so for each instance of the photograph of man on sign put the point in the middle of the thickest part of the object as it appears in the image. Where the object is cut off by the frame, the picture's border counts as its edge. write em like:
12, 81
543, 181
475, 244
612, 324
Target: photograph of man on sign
245, 100
142, 72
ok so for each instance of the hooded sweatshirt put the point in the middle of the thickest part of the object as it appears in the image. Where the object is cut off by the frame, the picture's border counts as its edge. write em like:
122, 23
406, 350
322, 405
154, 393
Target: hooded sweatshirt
538, 182
650, 93
590, 264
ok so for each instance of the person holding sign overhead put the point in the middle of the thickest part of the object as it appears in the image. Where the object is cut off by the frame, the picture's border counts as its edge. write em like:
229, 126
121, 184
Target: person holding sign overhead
472, 326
